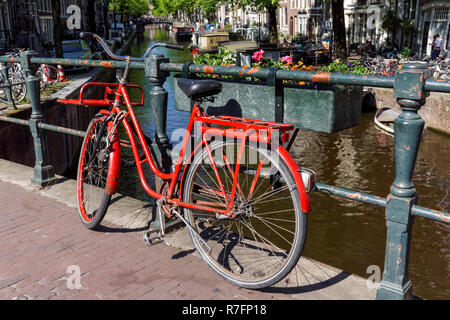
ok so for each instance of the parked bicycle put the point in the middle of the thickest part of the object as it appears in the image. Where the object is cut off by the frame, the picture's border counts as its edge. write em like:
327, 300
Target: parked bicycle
439, 70
16, 80
47, 75
239, 192
380, 66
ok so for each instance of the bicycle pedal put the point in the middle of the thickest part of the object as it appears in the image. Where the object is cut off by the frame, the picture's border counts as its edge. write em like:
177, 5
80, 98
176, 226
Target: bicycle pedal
151, 236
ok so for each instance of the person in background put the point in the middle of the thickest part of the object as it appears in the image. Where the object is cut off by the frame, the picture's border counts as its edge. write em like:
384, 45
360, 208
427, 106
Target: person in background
436, 47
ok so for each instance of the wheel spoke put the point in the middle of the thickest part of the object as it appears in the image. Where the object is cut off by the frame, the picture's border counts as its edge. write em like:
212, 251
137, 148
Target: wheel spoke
259, 245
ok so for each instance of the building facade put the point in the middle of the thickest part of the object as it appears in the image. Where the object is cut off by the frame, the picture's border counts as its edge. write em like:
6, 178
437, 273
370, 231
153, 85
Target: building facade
235, 17
29, 23
433, 18
363, 20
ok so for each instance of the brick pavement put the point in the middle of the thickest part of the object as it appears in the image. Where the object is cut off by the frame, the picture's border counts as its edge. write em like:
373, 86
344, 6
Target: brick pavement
41, 238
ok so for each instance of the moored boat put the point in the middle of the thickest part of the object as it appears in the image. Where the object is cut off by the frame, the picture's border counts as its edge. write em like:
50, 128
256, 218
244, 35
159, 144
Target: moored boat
384, 118
182, 32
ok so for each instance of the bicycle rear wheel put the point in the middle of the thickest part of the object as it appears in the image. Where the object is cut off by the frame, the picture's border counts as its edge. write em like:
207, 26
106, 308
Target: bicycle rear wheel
263, 243
42, 80
51, 74
18, 88
94, 170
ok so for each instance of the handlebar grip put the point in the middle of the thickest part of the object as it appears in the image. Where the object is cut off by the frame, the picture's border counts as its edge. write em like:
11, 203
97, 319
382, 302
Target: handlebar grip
174, 46
86, 35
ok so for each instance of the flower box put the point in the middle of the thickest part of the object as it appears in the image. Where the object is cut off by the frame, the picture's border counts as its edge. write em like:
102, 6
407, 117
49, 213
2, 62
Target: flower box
317, 108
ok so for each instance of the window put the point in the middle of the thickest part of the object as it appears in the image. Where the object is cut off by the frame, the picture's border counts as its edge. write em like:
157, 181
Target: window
413, 9
441, 14
406, 10
285, 16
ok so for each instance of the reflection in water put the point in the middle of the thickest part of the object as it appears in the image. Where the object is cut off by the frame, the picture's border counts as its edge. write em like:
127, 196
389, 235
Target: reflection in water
343, 233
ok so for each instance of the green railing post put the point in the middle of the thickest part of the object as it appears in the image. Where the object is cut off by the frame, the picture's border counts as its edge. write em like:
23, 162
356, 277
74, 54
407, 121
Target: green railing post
7, 85
408, 127
43, 170
158, 100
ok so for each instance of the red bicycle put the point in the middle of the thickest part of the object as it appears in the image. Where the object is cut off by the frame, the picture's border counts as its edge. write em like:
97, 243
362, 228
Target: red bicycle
239, 192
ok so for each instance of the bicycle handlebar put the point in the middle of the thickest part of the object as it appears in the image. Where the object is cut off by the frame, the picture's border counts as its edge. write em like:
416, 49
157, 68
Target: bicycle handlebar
90, 35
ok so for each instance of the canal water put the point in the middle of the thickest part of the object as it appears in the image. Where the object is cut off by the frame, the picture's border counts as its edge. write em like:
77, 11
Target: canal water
343, 233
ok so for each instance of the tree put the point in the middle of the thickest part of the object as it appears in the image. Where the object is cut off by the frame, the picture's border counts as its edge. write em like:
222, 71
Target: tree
340, 42
91, 16
129, 8
57, 28
390, 22
271, 6
162, 8
409, 30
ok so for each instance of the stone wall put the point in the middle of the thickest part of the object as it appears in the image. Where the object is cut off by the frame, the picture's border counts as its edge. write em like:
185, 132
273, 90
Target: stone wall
435, 112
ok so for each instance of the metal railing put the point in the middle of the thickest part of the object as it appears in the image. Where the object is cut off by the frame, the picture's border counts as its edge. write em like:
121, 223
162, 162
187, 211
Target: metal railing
411, 85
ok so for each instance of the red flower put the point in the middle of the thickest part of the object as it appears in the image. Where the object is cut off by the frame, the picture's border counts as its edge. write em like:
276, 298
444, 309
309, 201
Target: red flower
194, 51
258, 55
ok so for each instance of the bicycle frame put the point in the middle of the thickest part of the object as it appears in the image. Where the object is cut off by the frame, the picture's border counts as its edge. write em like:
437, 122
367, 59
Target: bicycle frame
241, 129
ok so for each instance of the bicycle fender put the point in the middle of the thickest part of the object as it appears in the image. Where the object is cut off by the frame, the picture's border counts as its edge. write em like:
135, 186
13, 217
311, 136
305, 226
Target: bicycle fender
304, 198
112, 181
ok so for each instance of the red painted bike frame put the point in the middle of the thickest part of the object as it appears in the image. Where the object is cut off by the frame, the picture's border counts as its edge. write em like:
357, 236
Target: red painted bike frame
239, 128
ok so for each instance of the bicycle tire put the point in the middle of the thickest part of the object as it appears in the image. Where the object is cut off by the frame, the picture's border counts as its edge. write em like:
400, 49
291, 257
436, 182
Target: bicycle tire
42, 80
18, 87
94, 169
3, 97
52, 73
240, 246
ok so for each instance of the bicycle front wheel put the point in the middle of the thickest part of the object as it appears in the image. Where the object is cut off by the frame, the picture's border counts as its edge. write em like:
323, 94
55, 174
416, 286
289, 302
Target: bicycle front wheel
93, 170
18, 88
262, 243
51, 74
42, 80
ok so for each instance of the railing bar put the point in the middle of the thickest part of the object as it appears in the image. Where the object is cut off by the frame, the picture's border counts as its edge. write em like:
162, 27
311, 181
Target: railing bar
436, 215
437, 85
350, 194
62, 129
78, 62
307, 76
14, 120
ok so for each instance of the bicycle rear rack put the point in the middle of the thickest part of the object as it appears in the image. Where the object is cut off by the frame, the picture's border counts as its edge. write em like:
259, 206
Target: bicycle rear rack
255, 129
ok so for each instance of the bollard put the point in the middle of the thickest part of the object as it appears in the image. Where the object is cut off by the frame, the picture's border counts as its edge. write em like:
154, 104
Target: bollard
7, 85
43, 170
408, 127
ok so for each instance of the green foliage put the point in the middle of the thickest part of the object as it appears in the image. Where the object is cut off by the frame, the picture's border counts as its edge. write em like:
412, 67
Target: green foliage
170, 7
390, 21
406, 52
133, 8
223, 57
345, 67
269, 63
408, 28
